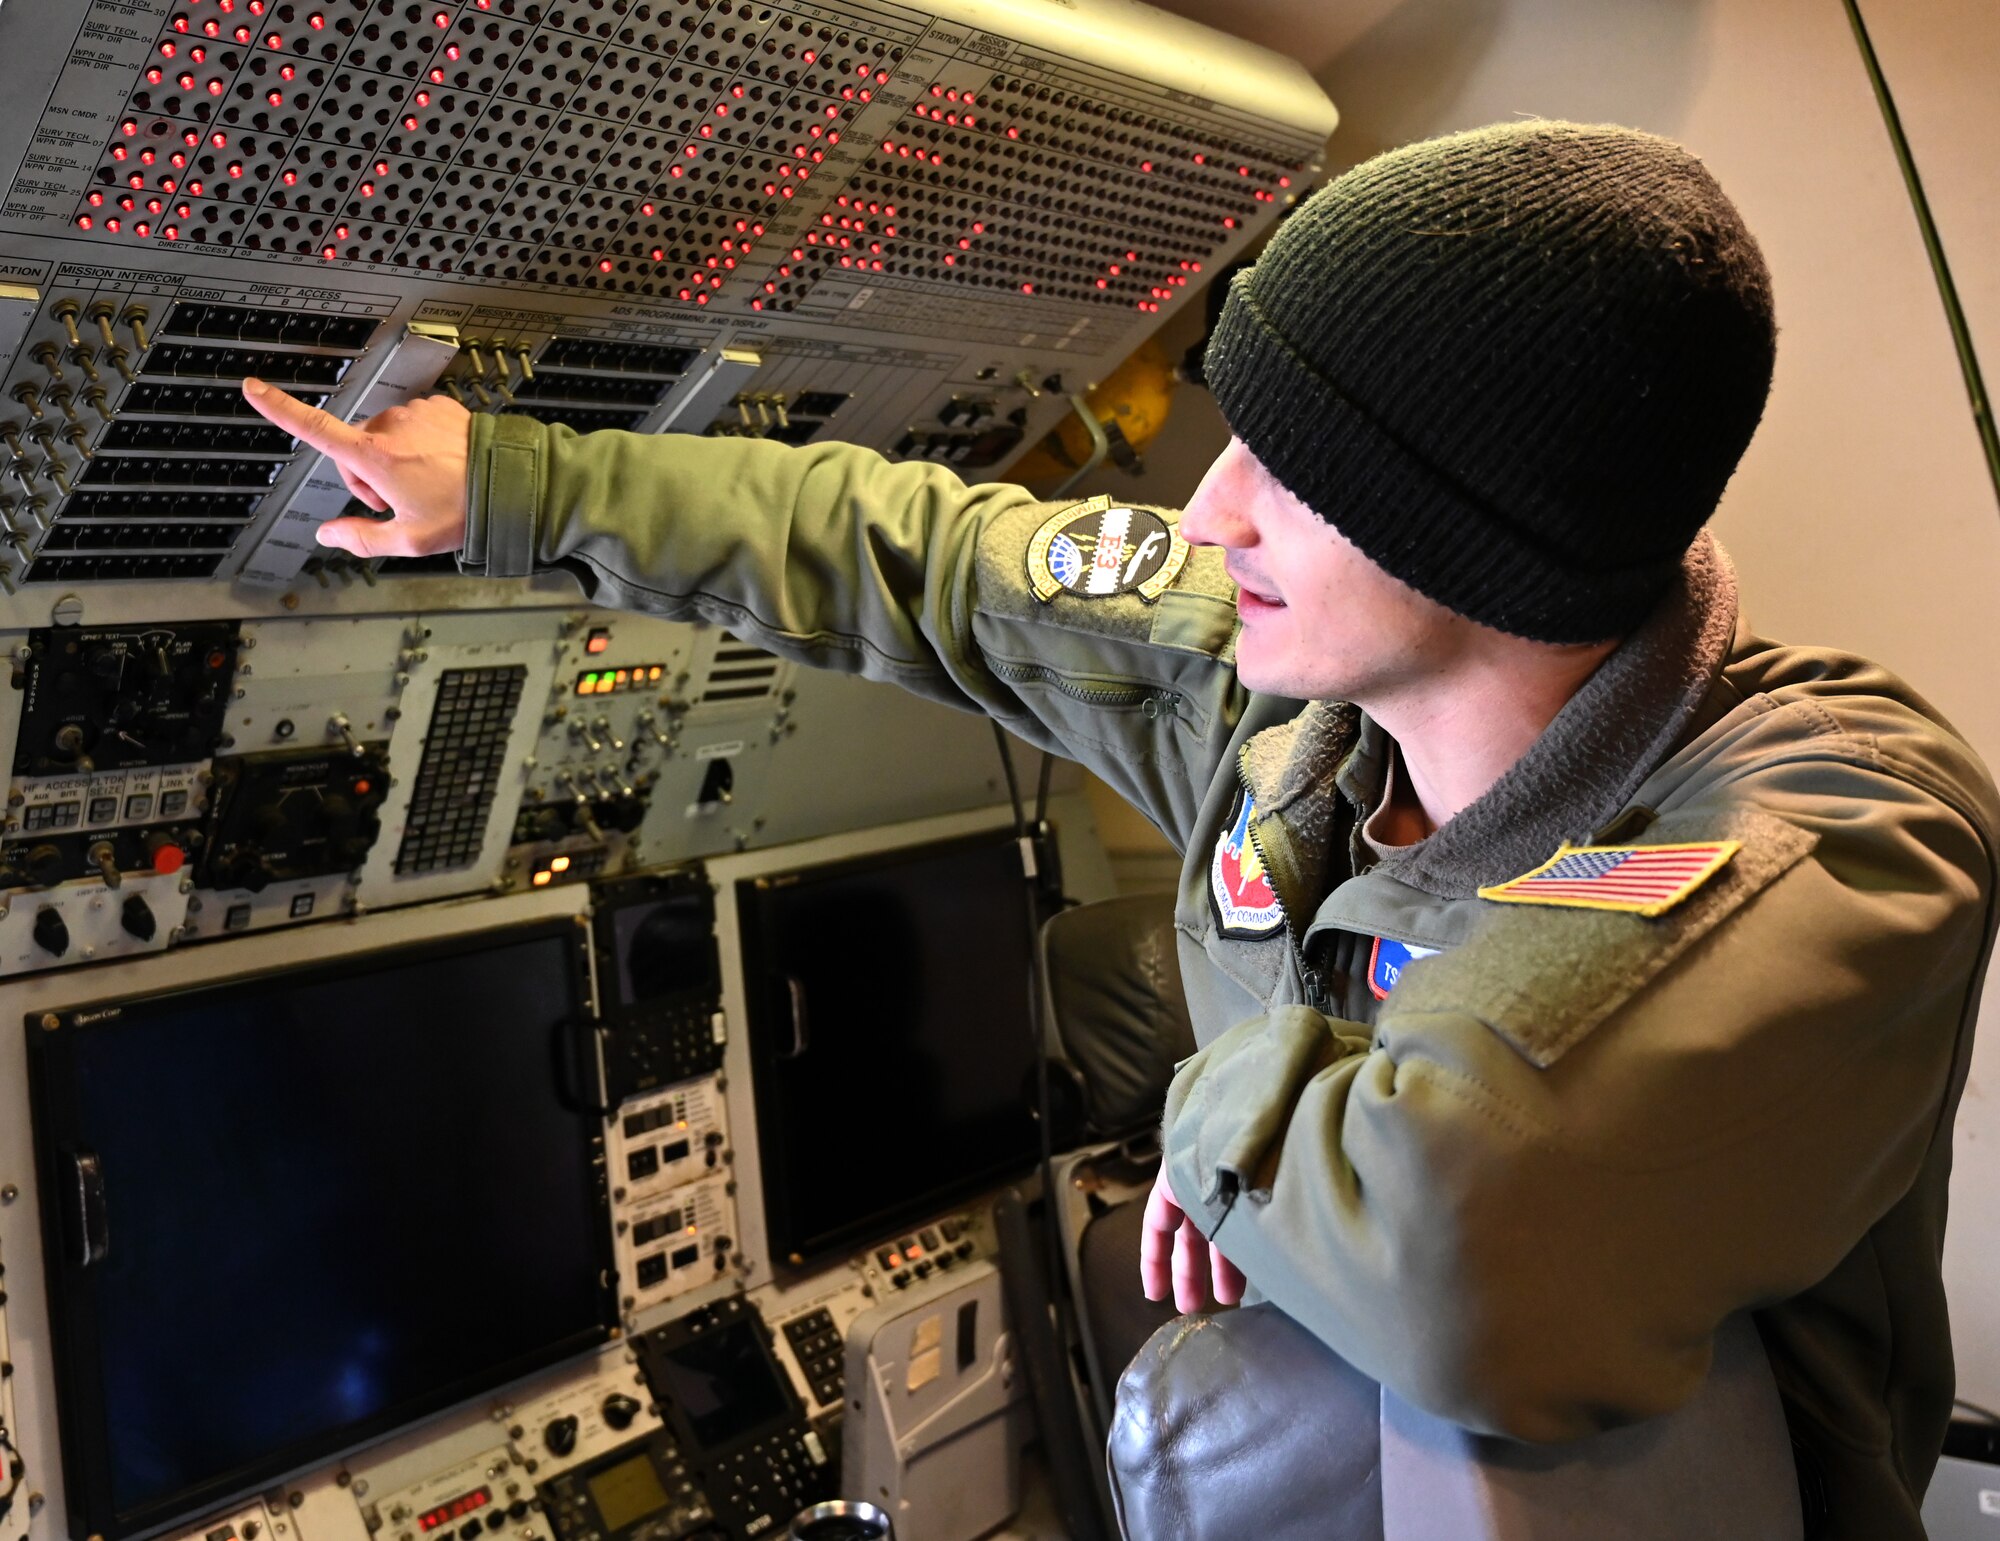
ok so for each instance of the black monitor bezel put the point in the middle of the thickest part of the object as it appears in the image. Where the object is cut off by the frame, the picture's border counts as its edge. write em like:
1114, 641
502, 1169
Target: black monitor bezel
797, 1254
76, 1361
609, 898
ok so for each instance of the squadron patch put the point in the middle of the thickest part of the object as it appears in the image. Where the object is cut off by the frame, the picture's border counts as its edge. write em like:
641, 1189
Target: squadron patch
1639, 879
1245, 902
1097, 550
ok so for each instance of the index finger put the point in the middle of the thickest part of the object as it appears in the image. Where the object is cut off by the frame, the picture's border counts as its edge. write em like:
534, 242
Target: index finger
312, 425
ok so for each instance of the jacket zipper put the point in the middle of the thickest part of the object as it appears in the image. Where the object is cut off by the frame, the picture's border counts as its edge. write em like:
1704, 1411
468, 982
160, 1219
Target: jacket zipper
1316, 996
1157, 703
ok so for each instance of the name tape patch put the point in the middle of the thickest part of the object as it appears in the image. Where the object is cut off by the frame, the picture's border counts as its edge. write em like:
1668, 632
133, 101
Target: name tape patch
1639, 879
1387, 960
1097, 550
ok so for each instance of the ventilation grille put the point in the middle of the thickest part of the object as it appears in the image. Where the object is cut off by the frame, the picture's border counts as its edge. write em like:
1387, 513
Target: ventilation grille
741, 673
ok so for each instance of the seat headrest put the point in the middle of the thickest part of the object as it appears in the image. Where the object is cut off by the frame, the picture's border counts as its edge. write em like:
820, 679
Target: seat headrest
1115, 991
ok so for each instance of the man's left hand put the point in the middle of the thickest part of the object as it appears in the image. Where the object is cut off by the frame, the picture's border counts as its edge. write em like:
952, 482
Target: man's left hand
1170, 1242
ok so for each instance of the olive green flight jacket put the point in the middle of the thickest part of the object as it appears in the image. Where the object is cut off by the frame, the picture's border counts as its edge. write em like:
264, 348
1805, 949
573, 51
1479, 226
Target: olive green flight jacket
1522, 1189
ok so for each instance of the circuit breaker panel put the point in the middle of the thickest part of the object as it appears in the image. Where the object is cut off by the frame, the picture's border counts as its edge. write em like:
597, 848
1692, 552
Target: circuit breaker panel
915, 228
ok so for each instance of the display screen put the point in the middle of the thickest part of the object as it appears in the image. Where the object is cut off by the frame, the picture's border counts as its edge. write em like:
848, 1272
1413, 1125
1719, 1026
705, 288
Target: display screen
724, 1383
890, 996
333, 1199
665, 947
626, 1492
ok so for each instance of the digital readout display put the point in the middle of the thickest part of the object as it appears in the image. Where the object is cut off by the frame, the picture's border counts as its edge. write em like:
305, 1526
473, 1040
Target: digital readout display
627, 1492
457, 1509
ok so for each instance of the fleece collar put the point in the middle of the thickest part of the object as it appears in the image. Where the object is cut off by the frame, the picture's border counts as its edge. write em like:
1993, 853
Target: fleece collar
1316, 777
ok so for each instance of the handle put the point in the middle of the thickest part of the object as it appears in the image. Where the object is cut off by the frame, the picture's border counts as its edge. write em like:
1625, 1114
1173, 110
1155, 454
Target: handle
93, 1227
801, 1035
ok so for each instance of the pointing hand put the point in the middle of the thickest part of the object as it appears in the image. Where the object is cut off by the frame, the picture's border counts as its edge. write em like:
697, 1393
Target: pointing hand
409, 461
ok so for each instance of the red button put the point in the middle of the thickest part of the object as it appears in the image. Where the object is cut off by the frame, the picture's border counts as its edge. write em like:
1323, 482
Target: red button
169, 858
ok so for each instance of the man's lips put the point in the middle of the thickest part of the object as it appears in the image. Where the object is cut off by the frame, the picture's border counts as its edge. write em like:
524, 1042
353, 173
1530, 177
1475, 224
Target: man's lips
1251, 601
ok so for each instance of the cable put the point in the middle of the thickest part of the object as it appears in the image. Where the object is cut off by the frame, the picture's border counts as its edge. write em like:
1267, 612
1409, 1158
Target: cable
1985, 1413
1042, 789
1013, 782
1954, 313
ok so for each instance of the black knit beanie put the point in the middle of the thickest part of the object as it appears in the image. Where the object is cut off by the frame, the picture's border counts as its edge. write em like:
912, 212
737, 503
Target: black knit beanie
1515, 367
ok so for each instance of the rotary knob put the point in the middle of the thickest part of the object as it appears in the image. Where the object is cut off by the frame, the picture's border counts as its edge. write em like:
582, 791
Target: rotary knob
619, 1410
560, 1435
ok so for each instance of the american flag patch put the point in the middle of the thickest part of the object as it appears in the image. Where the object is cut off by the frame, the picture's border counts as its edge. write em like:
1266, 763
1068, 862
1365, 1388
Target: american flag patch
1639, 879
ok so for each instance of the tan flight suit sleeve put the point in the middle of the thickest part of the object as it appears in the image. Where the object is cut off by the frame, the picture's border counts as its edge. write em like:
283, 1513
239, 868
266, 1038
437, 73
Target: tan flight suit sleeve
835, 557
1579, 1141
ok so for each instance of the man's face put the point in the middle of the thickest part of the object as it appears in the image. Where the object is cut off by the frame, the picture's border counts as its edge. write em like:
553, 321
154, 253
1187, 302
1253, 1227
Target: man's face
1320, 620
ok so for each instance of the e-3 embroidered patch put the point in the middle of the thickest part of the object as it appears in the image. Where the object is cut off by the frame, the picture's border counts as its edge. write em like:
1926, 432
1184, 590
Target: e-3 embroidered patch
1096, 550
1639, 879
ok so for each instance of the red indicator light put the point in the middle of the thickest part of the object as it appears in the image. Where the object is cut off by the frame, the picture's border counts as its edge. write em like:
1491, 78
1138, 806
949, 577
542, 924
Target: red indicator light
154, 206
111, 225
1200, 159
659, 254
316, 21
326, 252
451, 51
168, 859
381, 168
167, 49
83, 222
290, 179
146, 157
363, 787
809, 56
236, 168
195, 188
410, 124
1027, 288
1013, 132
272, 40
184, 210
215, 88
721, 109
129, 127
177, 160
135, 180
441, 20
95, 200
180, 24
142, 229
340, 232
646, 209
737, 92
218, 139
423, 98
242, 34
604, 266
172, 233
275, 98
153, 75
198, 54
368, 189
